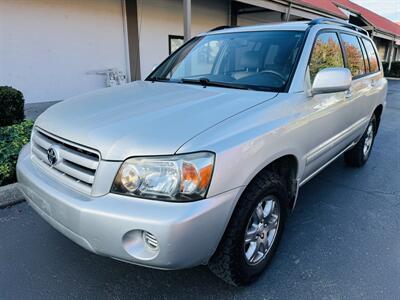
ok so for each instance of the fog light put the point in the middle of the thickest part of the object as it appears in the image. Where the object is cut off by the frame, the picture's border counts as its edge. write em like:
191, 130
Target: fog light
141, 244
150, 240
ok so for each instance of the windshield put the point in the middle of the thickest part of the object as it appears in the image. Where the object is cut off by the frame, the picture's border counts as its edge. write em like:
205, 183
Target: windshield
251, 60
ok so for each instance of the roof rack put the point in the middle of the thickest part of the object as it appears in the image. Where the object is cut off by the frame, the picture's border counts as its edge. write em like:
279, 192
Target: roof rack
338, 22
221, 27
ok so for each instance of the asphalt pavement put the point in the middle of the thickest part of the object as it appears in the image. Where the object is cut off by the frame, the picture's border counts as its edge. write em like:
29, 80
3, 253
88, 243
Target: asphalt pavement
341, 242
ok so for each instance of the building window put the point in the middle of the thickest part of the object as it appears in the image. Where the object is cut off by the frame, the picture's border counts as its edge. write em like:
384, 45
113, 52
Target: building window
174, 42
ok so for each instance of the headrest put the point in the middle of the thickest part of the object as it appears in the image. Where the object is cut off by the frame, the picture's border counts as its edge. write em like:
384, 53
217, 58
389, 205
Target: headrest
250, 60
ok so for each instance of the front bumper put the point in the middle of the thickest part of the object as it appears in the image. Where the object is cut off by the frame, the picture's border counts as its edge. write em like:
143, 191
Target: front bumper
187, 233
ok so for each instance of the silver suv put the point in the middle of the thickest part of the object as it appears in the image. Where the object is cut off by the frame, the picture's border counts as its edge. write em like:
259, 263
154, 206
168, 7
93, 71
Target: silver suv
201, 163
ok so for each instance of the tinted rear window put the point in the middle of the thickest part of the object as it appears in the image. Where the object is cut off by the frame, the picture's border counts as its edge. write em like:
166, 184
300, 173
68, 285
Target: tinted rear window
367, 70
372, 57
355, 59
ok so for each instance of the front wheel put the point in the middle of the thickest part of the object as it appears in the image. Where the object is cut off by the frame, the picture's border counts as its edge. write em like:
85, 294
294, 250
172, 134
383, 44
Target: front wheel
253, 232
359, 154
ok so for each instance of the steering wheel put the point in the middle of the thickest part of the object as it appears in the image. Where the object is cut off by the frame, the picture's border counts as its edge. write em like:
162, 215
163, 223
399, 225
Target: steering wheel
276, 74
277, 78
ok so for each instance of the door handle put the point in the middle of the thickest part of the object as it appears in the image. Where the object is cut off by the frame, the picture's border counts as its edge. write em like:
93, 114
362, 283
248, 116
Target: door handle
348, 93
373, 83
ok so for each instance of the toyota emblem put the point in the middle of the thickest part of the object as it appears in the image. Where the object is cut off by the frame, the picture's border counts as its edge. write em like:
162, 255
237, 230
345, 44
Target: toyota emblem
52, 155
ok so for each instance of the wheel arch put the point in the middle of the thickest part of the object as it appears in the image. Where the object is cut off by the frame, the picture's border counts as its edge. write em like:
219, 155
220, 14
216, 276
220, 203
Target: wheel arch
288, 164
288, 167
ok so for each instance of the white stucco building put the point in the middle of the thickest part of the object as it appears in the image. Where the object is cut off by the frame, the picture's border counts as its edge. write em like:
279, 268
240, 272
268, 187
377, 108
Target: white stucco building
55, 49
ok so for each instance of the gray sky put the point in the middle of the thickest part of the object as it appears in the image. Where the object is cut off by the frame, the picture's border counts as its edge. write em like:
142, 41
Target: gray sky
388, 8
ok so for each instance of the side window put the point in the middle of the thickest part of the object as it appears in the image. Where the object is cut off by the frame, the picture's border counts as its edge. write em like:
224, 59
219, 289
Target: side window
367, 70
355, 60
325, 54
373, 59
174, 42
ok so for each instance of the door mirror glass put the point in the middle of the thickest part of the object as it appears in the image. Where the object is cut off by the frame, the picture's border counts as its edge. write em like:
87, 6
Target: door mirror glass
331, 80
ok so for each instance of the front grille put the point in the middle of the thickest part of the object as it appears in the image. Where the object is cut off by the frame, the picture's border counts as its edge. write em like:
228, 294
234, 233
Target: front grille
76, 165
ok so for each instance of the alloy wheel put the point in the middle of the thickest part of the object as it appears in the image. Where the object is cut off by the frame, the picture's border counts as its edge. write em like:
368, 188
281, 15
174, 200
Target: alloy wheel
261, 230
368, 140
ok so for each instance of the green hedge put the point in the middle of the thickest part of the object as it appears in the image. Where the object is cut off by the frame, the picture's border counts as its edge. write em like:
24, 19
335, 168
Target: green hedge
394, 70
12, 139
12, 106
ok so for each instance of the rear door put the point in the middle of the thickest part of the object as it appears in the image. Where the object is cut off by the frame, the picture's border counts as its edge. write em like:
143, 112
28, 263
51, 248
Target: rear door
375, 77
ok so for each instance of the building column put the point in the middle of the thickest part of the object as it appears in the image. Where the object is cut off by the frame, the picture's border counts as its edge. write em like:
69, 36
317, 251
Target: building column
187, 19
372, 36
287, 16
390, 58
126, 41
133, 38
234, 8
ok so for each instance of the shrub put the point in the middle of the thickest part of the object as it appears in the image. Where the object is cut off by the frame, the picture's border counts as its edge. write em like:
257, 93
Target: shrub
394, 70
11, 106
12, 139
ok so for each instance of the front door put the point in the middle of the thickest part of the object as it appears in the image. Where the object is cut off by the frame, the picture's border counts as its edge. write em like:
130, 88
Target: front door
328, 116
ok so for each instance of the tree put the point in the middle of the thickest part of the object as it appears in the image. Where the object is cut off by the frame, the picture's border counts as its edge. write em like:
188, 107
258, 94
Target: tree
326, 54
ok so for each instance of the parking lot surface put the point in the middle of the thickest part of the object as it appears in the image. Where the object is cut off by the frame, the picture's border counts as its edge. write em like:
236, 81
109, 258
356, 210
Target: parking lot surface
341, 242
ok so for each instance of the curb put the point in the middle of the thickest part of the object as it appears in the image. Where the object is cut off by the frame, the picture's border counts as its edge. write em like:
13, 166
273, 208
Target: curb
10, 195
392, 78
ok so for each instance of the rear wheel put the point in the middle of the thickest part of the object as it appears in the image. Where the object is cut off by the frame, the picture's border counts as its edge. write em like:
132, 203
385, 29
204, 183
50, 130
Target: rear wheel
359, 154
254, 231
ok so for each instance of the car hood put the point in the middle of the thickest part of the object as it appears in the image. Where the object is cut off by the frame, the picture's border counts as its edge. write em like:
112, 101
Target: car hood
144, 118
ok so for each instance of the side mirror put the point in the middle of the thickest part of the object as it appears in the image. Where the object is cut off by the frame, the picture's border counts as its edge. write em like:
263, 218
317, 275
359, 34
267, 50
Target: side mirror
331, 80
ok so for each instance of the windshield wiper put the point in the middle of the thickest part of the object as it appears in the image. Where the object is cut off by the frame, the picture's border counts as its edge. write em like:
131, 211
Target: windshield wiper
203, 81
207, 82
160, 79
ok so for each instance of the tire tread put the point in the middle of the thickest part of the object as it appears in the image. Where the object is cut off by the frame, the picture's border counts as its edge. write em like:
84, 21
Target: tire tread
225, 261
355, 156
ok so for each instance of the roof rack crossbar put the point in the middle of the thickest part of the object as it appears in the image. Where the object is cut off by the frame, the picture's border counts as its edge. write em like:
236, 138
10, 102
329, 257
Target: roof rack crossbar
338, 22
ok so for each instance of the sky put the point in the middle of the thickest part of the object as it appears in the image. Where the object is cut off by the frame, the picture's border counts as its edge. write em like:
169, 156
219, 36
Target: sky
390, 9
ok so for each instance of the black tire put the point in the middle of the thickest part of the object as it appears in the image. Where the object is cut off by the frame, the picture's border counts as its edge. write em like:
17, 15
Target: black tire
229, 262
356, 157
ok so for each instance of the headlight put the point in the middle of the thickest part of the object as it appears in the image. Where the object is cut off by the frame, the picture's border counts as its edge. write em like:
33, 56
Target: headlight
175, 178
